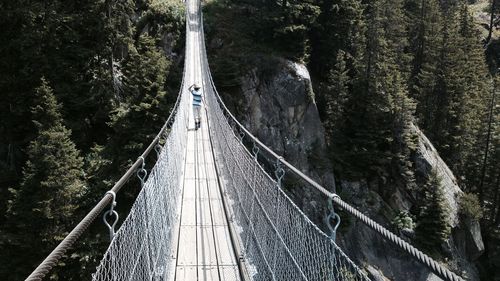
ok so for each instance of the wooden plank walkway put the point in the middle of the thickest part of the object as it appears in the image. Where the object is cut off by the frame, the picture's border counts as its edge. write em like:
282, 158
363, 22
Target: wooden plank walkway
205, 250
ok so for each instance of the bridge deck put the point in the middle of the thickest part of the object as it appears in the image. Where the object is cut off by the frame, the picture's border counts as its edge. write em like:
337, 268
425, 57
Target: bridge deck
205, 250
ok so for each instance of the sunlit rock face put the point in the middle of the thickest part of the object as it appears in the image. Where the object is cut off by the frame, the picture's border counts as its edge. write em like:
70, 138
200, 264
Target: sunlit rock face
280, 109
277, 104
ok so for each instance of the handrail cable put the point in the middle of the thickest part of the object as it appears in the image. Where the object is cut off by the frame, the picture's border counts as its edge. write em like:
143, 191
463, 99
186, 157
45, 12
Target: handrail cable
430, 263
51, 260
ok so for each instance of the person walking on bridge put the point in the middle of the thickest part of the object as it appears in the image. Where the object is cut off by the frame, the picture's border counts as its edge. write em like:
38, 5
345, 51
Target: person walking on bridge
197, 98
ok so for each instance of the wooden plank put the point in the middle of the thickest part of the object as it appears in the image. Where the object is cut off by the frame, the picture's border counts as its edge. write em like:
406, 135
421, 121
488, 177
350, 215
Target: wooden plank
218, 214
191, 137
206, 246
190, 157
189, 172
187, 246
210, 173
186, 273
213, 189
204, 215
201, 173
229, 273
208, 273
189, 189
188, 212
224, 246
190, 140
203, 190
207, 145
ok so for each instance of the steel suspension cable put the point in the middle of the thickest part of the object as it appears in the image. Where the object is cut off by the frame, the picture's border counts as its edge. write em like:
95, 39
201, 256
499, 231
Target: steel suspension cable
53, 258
424, 259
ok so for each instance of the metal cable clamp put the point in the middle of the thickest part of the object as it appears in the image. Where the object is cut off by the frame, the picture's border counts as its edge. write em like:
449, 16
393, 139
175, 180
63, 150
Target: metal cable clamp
142, 173
109, 213
332, 215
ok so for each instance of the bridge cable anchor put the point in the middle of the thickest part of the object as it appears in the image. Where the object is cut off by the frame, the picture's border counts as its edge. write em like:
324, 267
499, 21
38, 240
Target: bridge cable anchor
142, 173
110, 213
241, 135
279, 172
255, 150
332, 216
158, 149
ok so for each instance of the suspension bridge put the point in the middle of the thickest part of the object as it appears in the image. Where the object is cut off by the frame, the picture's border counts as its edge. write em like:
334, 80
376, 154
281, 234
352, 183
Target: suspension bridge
208, 210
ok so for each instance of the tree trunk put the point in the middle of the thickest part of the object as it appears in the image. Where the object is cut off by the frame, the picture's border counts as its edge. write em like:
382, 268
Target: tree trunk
492, 16
488, 140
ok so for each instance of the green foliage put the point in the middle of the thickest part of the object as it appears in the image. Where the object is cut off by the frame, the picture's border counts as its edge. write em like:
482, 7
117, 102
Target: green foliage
142, 111
433, 225
137, 117
281, 26
451, 87
340, 26
292, 22
403, 220
375, 134
336, 96
469, 206
46, 111
162, 17
86, 50
347, 274
42, 208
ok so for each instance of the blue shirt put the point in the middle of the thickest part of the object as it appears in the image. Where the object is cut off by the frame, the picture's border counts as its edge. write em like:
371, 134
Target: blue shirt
196, 97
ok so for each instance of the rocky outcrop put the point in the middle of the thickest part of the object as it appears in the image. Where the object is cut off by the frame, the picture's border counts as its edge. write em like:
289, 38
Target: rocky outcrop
466, 243
428, 158
279, 107
464, 246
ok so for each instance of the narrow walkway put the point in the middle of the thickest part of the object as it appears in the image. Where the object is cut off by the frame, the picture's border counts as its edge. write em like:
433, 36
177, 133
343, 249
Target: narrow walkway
205, 250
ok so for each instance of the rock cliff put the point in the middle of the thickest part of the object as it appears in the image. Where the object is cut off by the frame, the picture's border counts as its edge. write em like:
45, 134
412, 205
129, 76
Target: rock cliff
279, 107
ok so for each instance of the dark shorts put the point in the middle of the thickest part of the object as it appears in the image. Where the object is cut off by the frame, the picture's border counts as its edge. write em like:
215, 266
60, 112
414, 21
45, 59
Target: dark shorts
196, 112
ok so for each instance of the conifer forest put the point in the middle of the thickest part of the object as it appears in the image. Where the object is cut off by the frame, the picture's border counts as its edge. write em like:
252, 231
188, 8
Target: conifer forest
86, 85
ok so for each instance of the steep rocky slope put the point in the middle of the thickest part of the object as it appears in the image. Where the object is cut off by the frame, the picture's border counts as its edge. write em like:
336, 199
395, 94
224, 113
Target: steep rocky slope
279, 107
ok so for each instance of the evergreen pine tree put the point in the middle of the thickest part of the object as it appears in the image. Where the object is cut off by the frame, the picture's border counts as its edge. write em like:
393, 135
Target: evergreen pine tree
376, 131
143, 109
43, 206
339, 30
336, 96
340, 26
292, 28
452, 95
489, 185
471, 108
425, 44
433, 226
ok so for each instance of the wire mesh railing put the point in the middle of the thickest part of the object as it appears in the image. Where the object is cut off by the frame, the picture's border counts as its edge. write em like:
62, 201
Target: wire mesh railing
144, 246
278, 240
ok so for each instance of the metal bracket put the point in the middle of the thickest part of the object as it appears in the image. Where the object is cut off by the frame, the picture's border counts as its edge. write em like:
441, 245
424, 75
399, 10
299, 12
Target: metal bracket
109, 213
279, 172
332, 215
142, 173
